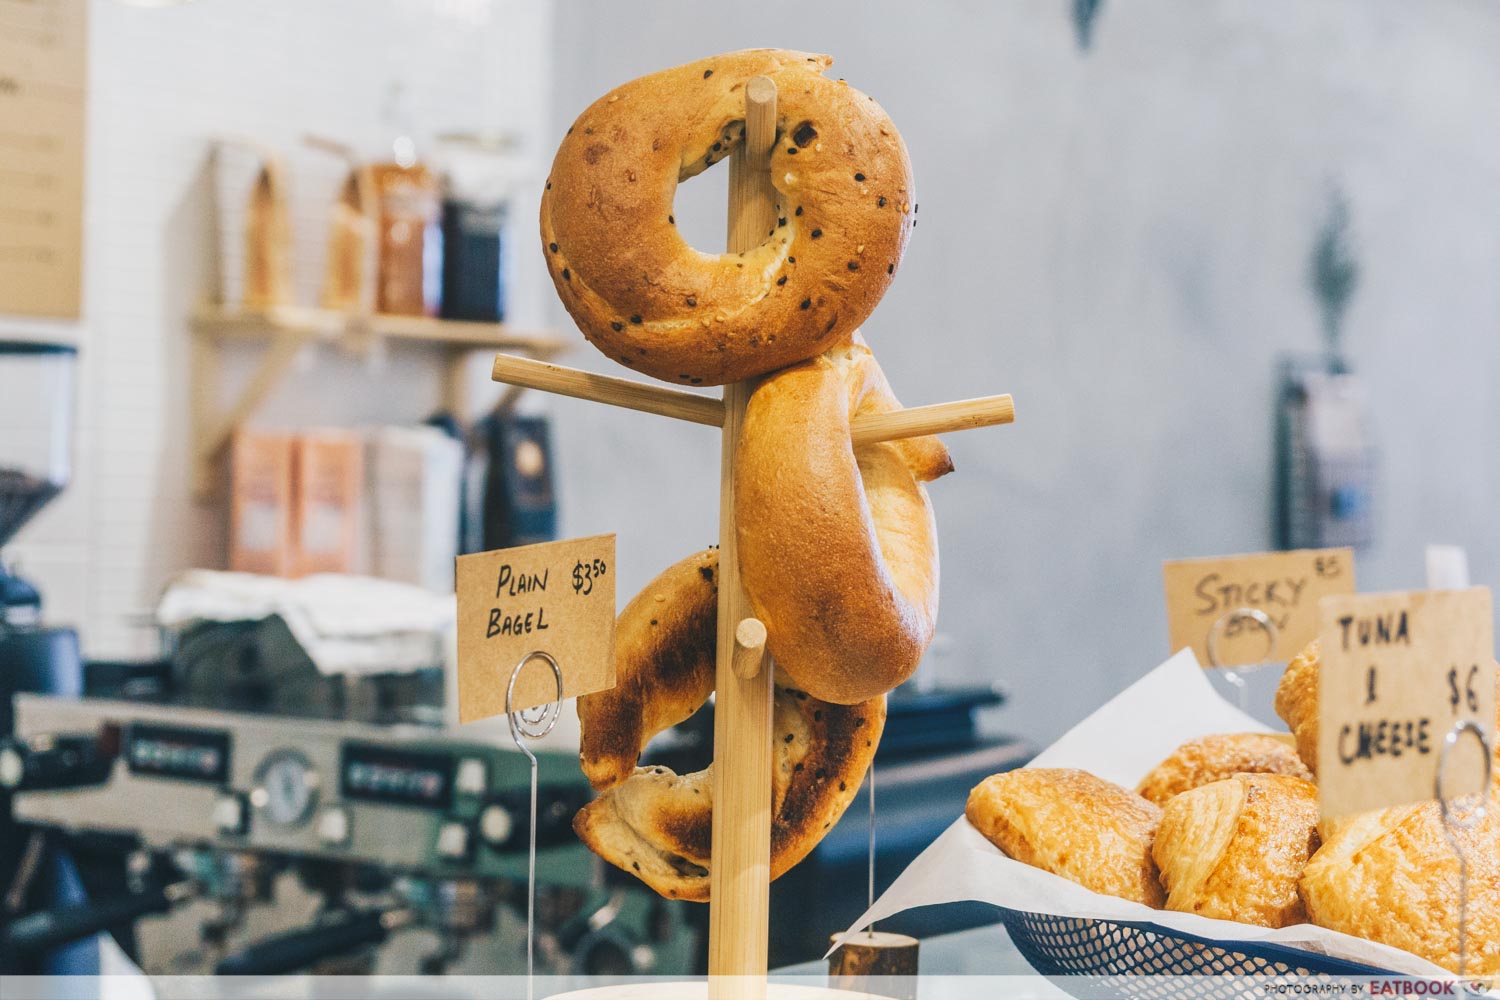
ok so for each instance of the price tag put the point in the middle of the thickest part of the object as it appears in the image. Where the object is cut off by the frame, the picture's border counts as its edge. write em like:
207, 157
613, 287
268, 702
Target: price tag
557, 598
1398, 671
1285, 585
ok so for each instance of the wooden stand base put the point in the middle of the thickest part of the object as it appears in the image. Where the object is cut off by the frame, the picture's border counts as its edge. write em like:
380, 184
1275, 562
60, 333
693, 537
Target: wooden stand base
890, 957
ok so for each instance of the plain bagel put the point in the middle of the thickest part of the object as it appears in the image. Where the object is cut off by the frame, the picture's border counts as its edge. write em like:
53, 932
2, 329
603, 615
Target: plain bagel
647, 299
837, 544
658, 825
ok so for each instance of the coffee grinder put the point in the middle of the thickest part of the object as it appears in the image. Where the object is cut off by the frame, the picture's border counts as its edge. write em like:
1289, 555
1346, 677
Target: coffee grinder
36, 422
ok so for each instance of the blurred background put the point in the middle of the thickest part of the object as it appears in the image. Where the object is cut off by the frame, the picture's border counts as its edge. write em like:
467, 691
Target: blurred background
1235, 260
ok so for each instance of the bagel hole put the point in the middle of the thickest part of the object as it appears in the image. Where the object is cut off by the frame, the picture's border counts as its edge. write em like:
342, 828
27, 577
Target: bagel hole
699, 208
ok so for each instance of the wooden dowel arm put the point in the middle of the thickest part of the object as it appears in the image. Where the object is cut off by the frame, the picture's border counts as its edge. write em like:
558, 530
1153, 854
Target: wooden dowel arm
624, 392
749, 648
960, 415
938, 418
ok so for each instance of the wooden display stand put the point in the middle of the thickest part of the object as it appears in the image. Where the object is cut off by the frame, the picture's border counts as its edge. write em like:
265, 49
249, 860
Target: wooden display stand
741, 845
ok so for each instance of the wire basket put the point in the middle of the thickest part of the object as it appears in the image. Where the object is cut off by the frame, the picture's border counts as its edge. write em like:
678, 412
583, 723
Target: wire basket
1144, 960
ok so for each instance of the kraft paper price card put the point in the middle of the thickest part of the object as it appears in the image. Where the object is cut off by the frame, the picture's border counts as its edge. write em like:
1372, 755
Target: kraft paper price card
1398, 672
1285, 585
557, 598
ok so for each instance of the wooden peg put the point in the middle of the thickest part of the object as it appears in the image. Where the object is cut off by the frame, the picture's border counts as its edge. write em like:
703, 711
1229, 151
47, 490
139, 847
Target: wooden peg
935, 419
749, 648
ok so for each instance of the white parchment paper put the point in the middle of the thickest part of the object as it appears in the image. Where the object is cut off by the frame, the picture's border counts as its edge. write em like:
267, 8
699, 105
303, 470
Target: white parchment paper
1120, 742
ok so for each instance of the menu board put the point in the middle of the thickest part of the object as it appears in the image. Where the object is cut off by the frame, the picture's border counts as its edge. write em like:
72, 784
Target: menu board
42, 90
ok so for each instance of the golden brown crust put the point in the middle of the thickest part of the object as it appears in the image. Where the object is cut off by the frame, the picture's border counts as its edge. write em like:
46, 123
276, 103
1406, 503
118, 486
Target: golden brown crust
658, 825
1233, 849
647, 299
1391, 876
664, 657
1213, 758
1297, 702
838, 547
1072, 824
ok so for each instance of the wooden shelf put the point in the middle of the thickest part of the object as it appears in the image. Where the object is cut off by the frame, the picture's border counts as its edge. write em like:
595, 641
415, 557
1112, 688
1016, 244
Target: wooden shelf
327, 324
287, 329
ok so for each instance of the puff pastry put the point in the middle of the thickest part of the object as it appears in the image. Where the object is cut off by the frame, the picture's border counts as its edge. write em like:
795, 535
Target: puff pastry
1391, 876
1072, 824
1234, 849
1213, 758
1297, 702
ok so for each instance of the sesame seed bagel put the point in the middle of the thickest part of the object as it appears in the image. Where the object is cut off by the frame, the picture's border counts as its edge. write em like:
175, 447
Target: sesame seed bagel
646, 298
658, 825
837, 544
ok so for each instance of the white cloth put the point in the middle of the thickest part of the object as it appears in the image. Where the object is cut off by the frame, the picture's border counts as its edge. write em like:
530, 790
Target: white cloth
346, 624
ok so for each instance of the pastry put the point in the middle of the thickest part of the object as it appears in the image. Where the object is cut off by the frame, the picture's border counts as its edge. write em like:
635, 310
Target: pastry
1234, 849
1213, 758
1392, 876
656, 824
647, 299
1072, 824
837, 544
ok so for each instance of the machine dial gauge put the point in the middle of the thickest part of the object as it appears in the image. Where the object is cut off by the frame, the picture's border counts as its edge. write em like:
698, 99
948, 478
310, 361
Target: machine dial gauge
286, 789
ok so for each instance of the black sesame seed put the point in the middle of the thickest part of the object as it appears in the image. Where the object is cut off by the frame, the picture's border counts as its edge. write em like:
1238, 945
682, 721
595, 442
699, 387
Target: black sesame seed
858, 722
636, 320
804, 134
817, 234
567, 275
672, 220
853, 265
791, 260
799, 210
791, 151
549, 185
692, 300
781, 280
781, 222
787, 738
915, 209
717, 146
617, 327
890, 269
807, 303
636, 865
798, 768
842, 786
588, 131
552, 247
653, 621
820, 774
697, 381
880, 202
684, 377
859, 177
801, 695
707, 73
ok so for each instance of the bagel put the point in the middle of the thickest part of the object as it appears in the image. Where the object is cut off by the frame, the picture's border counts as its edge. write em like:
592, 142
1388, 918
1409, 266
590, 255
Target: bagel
647, 299
658, 825
837, 544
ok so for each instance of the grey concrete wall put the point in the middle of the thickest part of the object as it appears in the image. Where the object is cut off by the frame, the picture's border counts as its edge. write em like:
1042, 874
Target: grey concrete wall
1120, 238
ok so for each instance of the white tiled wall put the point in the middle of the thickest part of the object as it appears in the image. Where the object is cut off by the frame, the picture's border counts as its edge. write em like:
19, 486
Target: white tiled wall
161, 83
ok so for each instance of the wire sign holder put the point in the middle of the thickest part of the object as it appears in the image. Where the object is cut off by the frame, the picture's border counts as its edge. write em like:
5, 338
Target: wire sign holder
1232, 674
1453, 824
739, 910
524, 727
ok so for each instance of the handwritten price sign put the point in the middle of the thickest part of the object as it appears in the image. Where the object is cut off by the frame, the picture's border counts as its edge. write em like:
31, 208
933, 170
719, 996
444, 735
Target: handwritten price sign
1286, 586
1398, 671
557, 598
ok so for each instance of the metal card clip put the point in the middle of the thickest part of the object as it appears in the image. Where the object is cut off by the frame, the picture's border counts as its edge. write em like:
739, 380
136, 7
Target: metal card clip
1454, 823
1232, 675
525, 727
